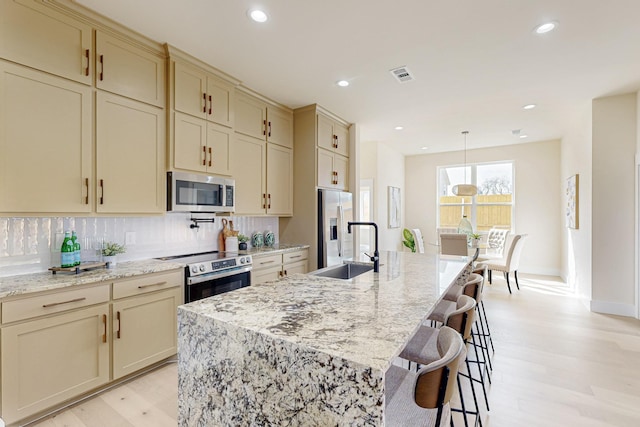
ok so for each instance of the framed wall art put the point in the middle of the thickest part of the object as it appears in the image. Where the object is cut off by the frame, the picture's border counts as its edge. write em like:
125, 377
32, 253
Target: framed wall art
394, 207
572, 211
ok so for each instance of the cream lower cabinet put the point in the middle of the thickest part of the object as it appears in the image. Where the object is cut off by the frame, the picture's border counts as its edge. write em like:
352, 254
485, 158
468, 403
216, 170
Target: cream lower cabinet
144, 330
53, 359
276, 266
130, 153
45, 150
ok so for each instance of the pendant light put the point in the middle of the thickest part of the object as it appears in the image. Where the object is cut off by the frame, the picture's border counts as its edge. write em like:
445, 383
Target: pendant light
465, 189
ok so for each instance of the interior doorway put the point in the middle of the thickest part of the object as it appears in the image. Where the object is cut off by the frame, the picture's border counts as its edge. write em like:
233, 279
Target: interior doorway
366, 214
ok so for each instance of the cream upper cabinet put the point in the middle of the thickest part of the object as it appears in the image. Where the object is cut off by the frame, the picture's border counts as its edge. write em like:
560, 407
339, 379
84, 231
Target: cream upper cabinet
201, 146
332, 136
45, 151
258, 119
248, 167
341, 167
128, 70
35, 35
49, 360
279, 180
202, 95
144, 330
333, 170
130, 147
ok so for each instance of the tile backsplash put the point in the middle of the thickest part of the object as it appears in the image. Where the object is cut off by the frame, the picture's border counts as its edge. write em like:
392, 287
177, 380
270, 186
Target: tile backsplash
30, 245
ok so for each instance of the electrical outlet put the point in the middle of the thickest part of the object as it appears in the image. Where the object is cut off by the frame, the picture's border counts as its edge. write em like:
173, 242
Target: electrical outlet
130, 238
57, 244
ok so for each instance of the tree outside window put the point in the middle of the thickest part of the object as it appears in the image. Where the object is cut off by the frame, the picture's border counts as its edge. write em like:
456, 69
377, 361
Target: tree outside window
491, 207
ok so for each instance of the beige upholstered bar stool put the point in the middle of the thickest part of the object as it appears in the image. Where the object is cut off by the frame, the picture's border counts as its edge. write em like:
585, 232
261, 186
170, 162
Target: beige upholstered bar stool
421, 347
422, 398
454, 244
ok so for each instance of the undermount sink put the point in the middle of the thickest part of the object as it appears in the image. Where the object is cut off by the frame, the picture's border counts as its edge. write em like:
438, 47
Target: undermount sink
344, 271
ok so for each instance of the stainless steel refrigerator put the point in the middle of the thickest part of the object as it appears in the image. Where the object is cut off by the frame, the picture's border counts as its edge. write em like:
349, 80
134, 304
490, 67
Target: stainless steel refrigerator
335, 244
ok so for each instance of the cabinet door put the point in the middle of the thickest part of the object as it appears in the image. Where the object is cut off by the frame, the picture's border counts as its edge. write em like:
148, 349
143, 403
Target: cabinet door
341, 134
279, 180
189, 143
128, 70
45, 150
34, 35
248, 168
47, 361
218, 146
295, 268
250, 116
266, 275
189, 90
220, 99
341, 167
325, 133
279, 127
130, 156
144, 330
326, 173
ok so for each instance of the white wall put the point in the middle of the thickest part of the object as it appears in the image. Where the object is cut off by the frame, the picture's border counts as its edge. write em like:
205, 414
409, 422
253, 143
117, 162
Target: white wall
537, 200
614, 139
576, 243
386, 167
27, 245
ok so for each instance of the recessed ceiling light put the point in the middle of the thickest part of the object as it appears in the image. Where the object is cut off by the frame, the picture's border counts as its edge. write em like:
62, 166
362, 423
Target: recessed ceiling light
546, 27
258, 15
529, 106
343, 83
398, 128
424, 148
523, 136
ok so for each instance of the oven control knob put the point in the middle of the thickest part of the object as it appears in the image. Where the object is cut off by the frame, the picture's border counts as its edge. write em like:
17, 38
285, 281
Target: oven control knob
201, 267
242, 260
194, 268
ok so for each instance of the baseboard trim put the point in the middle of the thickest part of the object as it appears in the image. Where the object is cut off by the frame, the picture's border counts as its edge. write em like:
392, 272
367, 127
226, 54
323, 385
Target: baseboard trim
615, 308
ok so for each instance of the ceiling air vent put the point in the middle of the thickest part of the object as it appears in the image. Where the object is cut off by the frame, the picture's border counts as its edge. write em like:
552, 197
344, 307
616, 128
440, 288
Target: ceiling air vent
402, 74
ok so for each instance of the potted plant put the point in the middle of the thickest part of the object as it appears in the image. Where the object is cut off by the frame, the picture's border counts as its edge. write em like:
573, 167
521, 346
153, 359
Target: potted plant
474, 240
408, 239
242, 242
109, 252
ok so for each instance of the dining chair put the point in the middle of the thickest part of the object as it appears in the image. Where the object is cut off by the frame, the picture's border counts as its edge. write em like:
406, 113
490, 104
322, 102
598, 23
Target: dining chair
454, 244
423, 398
419, 241
510, 262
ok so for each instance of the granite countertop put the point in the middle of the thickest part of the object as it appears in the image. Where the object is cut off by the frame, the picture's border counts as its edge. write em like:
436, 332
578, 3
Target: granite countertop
268, 250
366, 320
38, 282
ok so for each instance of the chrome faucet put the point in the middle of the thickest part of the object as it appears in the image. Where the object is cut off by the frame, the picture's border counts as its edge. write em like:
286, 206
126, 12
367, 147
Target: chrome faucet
376, 255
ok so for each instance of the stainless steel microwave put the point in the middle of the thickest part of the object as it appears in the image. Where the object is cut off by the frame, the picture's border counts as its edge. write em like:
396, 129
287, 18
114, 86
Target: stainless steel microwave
190, 192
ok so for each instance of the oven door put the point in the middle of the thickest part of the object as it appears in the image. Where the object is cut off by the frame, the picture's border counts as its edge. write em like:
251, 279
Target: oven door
208, 285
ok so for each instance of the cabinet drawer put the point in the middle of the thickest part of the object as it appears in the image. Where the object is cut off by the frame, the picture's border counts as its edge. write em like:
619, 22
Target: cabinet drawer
295, 256
42, 305
267, 261
295, 268
147, 283
266, 275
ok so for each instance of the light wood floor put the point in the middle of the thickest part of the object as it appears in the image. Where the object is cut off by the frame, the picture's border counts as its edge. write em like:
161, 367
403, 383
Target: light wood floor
556, 364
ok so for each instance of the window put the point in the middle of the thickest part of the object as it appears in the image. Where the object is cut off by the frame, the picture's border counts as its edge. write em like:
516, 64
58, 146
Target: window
491, 207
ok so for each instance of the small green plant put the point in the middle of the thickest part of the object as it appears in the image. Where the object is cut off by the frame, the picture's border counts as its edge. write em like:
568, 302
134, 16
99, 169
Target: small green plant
408, 239
476, 236
242, 238
112, 248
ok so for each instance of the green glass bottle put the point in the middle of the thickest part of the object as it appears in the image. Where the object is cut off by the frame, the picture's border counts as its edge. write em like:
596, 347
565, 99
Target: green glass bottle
76, 248
66, 251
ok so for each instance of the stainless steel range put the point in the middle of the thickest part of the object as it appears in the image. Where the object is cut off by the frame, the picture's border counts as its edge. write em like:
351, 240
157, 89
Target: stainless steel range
213, 273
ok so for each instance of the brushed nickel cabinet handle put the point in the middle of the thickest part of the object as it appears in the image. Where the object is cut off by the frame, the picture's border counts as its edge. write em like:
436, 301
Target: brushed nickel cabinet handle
101, 67
267, 262
118, 332
86, 54
152, 284
63, 302
104, 322
296, 256
204, 96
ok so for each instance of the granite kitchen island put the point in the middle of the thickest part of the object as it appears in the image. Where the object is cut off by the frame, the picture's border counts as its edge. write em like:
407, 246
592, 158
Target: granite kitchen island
306, 350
